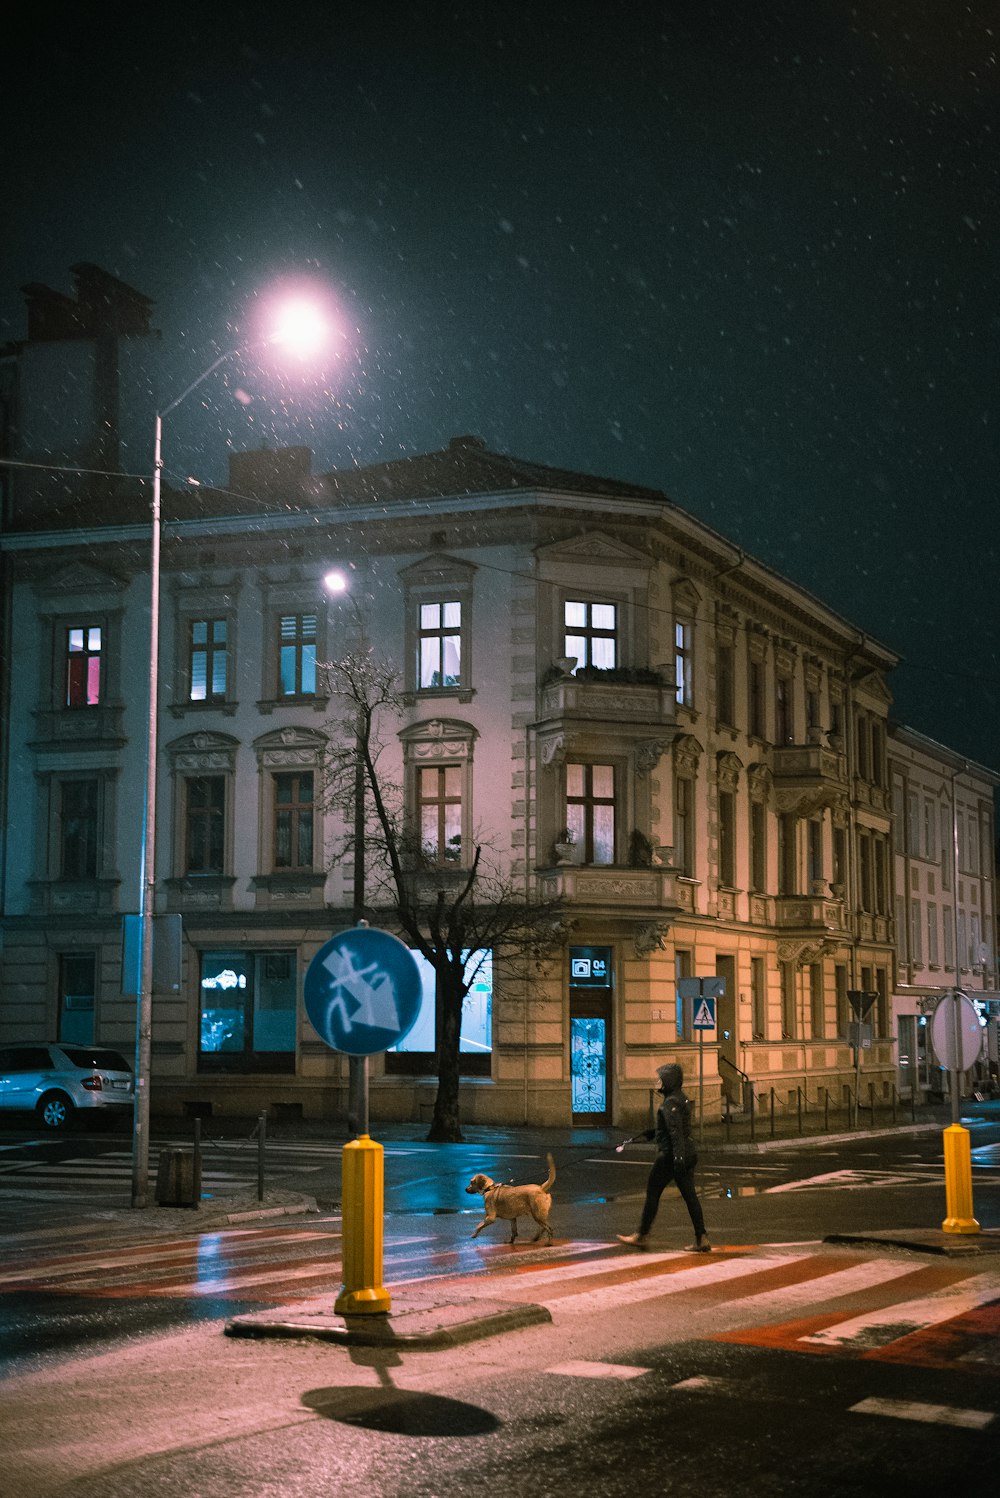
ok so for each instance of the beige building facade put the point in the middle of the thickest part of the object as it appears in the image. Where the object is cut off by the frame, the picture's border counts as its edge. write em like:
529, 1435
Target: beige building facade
944, 839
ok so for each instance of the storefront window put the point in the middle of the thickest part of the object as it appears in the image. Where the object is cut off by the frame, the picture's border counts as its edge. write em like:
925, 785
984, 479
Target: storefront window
248, 1012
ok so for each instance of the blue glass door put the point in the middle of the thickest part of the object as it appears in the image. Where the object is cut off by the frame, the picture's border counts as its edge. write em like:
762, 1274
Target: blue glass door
589, 1068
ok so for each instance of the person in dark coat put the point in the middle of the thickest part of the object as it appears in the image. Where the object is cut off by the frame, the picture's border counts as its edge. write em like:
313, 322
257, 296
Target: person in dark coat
676, 1158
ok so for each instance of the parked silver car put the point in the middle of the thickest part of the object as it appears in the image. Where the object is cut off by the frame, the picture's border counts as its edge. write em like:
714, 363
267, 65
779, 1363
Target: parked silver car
55, 1081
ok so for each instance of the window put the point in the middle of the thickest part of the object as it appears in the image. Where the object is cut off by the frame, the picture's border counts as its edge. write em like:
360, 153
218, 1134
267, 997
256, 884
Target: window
208, 660
297, 655
758, 847
78, 829
247, 1012
788, 882
880, 1018
725, 684
784, 732
817, 1004
758, 998
684, 824
439, 812
77, 990
83, 665
416, 1052
898, 817
916, 946
932, 935
840, 858
843, 1008
591, 634
788, 976
863, 743
756, 700
683, 968
878, 753
439, 645
684, 662
727, 839
204, 842
865, 879
930, 830
812, 710
590, 810
293, 820
913, 824
881, 853
815, 856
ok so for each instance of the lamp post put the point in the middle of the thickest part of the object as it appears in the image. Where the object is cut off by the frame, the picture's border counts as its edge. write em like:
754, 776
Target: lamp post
293, 327
357, 1106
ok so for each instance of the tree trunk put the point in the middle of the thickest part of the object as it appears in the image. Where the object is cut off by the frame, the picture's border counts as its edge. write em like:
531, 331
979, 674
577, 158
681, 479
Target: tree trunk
446, 1125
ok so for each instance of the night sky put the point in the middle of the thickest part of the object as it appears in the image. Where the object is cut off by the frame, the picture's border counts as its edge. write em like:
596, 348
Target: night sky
746, 253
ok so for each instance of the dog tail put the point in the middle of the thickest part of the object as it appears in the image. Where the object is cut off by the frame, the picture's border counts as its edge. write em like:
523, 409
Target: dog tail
552, 1174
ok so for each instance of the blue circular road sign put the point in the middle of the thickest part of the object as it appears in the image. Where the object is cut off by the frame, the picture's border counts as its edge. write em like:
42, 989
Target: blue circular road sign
362, 991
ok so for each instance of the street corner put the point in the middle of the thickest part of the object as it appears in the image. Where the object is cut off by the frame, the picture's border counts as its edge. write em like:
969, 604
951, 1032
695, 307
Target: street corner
924, 1240
414, 1321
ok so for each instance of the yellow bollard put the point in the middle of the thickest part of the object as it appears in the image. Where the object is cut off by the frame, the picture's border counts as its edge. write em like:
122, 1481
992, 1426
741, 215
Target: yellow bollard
363, 1209
958, 1182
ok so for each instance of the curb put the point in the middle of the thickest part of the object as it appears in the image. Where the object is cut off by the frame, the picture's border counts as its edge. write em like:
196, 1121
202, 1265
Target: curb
799, 1141
925, 1240
419, 1323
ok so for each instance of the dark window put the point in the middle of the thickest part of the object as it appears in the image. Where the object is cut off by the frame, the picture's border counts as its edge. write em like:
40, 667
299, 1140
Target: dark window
207, 660
756, 703
789, 1028
439, 645
83, 665
78, 829
590, 810
725, 684
590, 635
297, 655
783, 725
727, 839
205, 842
77, 993
758, 847
684, 824
293, 820
788, 875
758, 998
26, 1058
683, 968
96, 1058
817, 1000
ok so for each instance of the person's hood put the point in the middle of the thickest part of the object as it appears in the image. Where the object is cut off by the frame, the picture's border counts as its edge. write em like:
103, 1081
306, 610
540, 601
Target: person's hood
671, 1077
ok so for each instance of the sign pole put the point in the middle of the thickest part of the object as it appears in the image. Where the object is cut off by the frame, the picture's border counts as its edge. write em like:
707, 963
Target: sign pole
701, 1086
956, 1021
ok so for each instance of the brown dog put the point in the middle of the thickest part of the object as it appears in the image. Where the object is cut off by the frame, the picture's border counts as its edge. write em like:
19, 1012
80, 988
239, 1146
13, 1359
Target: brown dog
512, 1202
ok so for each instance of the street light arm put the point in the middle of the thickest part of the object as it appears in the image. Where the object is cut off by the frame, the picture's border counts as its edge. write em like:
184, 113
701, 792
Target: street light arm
240, 348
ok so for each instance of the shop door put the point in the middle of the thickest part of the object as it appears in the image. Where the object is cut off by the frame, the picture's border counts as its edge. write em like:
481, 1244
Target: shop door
590, 1035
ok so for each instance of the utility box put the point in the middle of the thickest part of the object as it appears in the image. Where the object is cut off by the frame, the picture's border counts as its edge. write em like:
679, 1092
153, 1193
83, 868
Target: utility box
178, 1179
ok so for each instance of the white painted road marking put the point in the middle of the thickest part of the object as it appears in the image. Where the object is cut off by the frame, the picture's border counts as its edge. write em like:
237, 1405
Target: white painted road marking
934, 1414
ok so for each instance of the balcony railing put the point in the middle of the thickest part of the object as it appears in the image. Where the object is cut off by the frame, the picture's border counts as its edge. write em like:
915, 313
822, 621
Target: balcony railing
809, 913
612, 696
615, 887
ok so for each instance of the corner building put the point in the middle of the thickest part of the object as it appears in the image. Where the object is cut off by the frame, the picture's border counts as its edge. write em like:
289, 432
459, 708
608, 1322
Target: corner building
680, 743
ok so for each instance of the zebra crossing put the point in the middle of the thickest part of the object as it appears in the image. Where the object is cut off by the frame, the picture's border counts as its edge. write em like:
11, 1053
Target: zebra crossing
805, 1298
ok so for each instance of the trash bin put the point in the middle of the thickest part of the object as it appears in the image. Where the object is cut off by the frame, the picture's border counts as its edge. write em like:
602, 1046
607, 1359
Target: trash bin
178, 1180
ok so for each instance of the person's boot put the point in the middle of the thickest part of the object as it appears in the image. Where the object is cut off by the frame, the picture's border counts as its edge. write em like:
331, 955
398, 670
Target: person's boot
634, 1240
700, 1245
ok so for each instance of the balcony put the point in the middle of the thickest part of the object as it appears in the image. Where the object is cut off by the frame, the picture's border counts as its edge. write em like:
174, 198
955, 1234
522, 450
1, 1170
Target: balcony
808, 777
621, 696
809, 913
614, 888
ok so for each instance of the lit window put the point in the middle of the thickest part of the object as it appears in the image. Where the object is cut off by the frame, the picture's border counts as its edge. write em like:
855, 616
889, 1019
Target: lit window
247, 1012
207, 660
439, 645
591, 634
83, 665
297, 655
683, 663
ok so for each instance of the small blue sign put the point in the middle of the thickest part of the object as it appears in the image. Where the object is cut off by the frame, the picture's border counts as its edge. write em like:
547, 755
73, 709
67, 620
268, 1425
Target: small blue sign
704, 1014
362, 991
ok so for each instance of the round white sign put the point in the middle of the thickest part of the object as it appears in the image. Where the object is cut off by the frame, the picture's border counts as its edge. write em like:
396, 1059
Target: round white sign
957, 1040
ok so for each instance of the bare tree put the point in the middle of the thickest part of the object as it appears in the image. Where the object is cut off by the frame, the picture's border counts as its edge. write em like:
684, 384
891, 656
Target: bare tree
452, 914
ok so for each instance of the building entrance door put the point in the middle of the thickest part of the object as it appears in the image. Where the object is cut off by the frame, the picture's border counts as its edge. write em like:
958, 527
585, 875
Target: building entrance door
590, 1050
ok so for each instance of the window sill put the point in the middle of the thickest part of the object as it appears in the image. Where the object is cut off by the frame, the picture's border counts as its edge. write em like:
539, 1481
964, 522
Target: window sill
318, 703
224, 705
460, 692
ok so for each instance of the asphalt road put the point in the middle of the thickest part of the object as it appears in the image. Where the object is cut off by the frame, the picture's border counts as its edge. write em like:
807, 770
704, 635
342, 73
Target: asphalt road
692, 1376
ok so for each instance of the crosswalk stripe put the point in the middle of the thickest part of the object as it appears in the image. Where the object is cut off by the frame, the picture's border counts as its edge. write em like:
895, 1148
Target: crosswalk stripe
877, 1328
934, 1414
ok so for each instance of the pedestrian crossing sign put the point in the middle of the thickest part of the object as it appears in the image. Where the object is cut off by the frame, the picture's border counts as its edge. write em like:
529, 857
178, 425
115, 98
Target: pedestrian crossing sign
704, 1015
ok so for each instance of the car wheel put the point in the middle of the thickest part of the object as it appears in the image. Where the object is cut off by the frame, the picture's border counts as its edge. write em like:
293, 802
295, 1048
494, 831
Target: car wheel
55, 1110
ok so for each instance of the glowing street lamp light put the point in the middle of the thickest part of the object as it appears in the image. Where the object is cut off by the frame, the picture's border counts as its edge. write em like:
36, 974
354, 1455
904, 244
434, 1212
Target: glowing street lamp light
294, 329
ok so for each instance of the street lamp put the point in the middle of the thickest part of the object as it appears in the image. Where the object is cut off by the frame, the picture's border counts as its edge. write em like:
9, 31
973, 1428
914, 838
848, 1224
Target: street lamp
337, 584
294, 332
